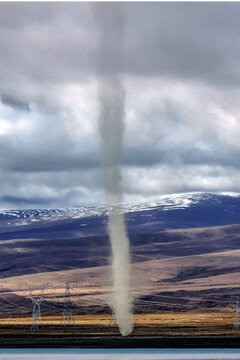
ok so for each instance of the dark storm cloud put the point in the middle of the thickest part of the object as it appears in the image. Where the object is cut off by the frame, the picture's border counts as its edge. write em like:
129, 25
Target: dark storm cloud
15, 103
40, 151
17, 158
16, 200
180, 65
194, 40
181, 155
49, 189
43, 43
58, 41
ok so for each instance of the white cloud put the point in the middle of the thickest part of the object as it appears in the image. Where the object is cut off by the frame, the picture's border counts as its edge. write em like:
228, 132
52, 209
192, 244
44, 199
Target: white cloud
5, 127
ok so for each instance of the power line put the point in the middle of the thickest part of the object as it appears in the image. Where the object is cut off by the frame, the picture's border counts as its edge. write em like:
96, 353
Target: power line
14, 304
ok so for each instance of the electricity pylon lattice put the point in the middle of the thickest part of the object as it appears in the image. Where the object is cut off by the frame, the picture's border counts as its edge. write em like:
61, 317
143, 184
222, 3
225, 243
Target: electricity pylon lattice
67, 314
36, 294
36, 314
237, 316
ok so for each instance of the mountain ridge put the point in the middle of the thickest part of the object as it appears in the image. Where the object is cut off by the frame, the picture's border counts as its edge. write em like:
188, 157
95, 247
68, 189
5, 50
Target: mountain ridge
179, 211
167, 202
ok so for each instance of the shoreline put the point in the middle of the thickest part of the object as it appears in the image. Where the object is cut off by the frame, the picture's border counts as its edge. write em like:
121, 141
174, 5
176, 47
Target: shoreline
184, 342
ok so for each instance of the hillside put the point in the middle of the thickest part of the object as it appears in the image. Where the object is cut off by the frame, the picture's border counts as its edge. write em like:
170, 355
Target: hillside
184, 247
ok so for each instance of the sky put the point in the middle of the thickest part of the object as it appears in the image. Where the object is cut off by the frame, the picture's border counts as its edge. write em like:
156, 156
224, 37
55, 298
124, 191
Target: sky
181, 71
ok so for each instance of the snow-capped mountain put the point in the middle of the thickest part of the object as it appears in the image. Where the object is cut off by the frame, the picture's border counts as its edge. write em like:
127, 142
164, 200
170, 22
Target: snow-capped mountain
165, 203
169, 212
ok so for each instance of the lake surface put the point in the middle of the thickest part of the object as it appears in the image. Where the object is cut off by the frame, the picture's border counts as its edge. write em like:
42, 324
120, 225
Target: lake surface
119, 354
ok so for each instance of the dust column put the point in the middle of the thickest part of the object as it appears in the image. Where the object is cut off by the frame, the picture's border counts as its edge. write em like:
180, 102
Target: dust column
111, 96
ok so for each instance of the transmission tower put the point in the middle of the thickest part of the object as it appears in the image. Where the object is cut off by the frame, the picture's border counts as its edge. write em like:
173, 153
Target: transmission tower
237, 316
36, 313
67, 314
36, 294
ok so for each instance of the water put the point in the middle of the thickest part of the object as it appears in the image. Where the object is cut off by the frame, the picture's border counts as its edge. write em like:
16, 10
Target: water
119, 354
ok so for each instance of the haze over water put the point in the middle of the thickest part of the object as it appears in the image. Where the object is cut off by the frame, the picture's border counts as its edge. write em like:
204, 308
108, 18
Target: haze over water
117, 354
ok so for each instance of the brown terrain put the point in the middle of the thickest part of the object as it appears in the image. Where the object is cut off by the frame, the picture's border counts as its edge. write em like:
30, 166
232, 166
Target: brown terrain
188, 270
184, 283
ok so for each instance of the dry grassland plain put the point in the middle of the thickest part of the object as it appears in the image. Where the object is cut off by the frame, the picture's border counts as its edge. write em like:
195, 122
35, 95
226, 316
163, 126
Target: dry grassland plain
144, 324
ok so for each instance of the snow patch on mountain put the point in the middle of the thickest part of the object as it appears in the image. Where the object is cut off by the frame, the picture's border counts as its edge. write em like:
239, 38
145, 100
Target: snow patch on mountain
164, 203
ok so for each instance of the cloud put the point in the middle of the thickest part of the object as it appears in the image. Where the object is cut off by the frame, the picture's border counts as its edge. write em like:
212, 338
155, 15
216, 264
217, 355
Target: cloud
182, 81
7, 100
